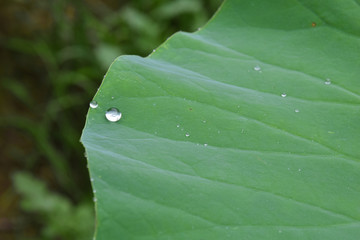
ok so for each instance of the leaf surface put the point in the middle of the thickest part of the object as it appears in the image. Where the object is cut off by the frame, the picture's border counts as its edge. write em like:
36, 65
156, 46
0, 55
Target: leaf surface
246, 129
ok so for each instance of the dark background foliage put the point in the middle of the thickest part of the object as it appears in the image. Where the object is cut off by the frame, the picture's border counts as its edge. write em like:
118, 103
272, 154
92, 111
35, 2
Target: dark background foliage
53, 55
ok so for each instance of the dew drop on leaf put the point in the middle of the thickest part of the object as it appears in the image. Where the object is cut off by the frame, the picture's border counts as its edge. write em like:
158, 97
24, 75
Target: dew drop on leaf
94, 104
113, 114
187, 135
257, 68
283, 94
327, 81
297, 110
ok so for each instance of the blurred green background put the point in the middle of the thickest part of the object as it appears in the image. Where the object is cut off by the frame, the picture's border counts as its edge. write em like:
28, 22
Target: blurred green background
53, 57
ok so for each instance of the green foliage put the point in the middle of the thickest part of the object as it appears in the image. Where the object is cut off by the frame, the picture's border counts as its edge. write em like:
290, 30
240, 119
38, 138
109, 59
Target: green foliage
247, 129
64, 220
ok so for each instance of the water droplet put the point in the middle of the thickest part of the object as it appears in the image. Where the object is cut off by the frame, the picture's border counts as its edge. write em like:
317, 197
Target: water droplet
113, 114
178, 125
257, 68
187, 135
94, 104
94, 199
327, 81
112, 97
205, 145
94, 191
153, 50
280, 231
283, 94
299, 170
297, 110
91, 179
204, 121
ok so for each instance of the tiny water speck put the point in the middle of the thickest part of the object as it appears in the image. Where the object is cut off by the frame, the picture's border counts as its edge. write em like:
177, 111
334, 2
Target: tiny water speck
91, 179
328, 81
113, 114
94, 191
94, 104
112, 97
297, 110
257, 68
178, 125
283, 94
187, 135
205, 145
299, 169
94, 199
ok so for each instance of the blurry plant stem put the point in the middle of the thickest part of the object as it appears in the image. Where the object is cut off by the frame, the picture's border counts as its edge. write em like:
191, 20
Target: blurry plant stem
40, 135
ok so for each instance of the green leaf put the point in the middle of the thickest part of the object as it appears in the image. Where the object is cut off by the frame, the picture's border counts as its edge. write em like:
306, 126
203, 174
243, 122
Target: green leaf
247, 129
64, 220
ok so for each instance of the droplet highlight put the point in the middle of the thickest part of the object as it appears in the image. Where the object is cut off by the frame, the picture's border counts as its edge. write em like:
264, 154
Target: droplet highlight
94, 104
187, 135
283, 95
257, 68
297, 110
327, 81
113, 114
